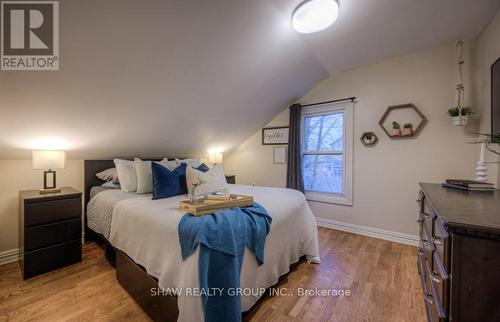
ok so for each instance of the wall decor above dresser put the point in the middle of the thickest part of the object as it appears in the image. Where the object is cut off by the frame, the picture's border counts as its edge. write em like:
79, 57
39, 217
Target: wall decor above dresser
402, 121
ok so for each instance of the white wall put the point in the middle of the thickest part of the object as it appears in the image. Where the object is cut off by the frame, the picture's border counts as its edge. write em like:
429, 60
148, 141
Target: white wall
488, 51
249, 159
386, 176
18, 175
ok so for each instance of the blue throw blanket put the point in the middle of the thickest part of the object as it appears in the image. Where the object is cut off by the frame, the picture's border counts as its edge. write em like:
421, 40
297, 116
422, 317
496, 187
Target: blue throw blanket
222, 237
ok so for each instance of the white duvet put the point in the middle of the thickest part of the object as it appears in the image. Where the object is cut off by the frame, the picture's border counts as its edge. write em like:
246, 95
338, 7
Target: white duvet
146, 230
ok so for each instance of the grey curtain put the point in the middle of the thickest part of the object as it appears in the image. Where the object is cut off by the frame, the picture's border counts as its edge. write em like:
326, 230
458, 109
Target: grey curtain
294, 178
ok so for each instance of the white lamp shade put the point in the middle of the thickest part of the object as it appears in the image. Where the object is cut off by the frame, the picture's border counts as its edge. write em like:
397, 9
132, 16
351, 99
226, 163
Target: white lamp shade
46, 160
215, 157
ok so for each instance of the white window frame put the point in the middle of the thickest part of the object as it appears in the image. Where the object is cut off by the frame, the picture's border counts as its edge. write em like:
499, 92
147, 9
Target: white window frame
344, 198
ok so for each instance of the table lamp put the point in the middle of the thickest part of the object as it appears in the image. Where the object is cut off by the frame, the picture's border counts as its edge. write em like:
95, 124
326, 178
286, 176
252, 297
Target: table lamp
49, 161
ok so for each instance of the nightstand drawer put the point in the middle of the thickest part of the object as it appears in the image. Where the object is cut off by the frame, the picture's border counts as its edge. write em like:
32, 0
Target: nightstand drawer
39, 213
46, 259
52, 234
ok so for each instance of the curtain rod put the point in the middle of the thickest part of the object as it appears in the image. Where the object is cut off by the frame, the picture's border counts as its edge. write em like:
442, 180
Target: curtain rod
352, 99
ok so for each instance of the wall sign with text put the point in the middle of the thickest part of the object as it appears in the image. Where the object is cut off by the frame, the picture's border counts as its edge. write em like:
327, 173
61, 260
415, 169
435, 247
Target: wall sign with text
275, 135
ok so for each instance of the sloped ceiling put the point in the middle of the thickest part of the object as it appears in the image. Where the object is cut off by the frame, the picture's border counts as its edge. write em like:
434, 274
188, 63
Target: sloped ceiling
156, 78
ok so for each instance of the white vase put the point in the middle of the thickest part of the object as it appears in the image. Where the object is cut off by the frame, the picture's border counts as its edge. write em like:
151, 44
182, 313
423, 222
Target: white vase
192, 196
460, 120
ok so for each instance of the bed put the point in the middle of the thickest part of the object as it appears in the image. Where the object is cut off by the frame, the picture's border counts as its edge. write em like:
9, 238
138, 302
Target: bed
143, 234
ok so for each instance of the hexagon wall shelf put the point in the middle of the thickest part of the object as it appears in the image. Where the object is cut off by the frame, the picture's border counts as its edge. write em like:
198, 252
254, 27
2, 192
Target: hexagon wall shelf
403, 114
369, 139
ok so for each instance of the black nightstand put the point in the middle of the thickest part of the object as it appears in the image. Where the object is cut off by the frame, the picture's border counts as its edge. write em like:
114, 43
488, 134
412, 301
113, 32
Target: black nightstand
50, 230
230, 178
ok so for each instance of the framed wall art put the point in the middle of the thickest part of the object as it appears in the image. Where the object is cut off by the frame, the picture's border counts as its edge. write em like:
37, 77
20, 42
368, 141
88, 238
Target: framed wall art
279, 155
275, 135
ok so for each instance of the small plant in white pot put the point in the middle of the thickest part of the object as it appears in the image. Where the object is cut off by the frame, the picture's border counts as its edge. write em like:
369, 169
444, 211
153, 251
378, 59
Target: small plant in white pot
396, 129
368, 138
460, 115
407, 129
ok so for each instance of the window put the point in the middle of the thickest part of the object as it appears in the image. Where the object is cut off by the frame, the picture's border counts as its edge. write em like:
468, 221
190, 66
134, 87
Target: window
327, 153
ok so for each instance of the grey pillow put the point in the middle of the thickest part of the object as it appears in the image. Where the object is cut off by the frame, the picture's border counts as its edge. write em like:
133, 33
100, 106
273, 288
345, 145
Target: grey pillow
111, 185
108, 175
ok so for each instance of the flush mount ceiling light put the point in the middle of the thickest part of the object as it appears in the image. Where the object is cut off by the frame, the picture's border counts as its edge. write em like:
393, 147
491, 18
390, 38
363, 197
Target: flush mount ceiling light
314, 15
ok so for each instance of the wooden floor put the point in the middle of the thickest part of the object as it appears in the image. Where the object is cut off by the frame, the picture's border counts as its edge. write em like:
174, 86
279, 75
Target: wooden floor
381, 275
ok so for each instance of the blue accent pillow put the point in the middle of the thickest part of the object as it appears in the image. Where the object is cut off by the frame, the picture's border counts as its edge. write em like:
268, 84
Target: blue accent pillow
168, 183
203, 168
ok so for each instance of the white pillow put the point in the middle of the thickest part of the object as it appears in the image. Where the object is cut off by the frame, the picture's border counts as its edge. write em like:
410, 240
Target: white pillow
171, 165
214, 179
194, 162
144, 176
108, 175
126, 174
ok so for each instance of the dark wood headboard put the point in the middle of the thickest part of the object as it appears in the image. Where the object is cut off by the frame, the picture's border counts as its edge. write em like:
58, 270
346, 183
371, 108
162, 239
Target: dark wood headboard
91, 168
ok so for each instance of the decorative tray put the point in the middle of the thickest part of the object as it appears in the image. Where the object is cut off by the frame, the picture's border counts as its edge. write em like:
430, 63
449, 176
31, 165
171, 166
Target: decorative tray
213, 203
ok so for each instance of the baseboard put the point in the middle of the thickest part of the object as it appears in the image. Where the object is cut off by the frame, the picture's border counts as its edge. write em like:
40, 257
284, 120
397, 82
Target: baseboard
369, 231
9, 256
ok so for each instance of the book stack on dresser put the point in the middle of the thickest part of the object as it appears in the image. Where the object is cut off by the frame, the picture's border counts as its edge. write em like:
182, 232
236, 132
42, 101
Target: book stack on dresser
469, 185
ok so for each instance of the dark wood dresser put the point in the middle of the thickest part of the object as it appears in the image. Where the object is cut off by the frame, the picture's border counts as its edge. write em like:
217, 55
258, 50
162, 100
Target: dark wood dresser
459, 253
50, 230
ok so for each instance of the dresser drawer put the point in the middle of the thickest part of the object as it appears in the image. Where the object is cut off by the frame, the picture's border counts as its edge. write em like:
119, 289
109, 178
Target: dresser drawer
427, 216
421, 269
46, 259
52, 234
39, 213
440, 239
437, 295
432, 312
432, 299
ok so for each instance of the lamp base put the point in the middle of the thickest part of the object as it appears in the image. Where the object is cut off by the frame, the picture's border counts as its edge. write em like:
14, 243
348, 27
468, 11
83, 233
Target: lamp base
481, 172
52, 190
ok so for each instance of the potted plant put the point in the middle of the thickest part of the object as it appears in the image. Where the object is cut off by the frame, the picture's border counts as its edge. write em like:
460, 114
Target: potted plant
199, 182
460, 115
368, 138
407, 129
396, 129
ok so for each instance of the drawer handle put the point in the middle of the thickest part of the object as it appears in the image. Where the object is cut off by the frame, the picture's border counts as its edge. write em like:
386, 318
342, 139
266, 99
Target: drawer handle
435, 277
426, 215
419, 221
437, 240
428, 298
418, 200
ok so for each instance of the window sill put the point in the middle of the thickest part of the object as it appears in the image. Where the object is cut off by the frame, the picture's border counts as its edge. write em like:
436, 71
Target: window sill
328, 198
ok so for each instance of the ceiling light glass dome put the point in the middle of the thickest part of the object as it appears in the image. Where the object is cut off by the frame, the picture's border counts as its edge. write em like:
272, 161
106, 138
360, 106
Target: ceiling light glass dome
315, 15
